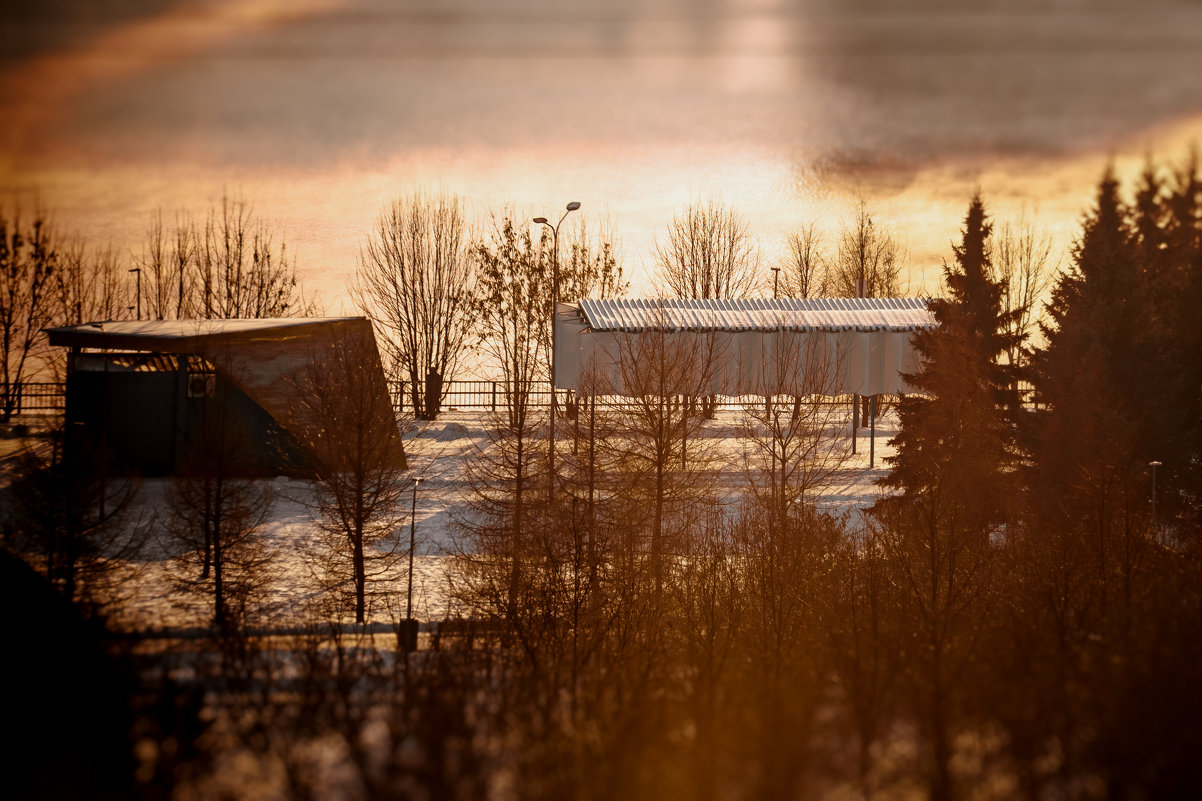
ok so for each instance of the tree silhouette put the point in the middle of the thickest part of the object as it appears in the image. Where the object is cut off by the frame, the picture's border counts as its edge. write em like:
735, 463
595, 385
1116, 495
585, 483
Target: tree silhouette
954, 469
708, 253
415, 281
28, 261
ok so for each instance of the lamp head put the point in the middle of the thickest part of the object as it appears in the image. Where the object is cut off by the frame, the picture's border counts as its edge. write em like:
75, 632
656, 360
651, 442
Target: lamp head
573, 205
541, 220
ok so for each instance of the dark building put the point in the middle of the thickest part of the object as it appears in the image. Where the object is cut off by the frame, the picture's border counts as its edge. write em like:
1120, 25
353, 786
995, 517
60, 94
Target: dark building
150, 395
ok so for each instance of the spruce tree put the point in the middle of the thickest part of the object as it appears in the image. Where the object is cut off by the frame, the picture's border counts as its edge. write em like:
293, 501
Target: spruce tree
953, 470
1175, 400
1087, 377
957, 430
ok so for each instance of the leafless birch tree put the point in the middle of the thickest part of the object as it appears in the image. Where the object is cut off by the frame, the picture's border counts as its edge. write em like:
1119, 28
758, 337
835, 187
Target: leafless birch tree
90, 284
154, 263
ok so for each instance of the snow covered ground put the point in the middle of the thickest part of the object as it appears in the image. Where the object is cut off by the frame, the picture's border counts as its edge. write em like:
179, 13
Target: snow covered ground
154, 596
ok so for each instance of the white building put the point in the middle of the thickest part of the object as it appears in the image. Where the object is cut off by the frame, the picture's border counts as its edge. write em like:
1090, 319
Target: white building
823, 346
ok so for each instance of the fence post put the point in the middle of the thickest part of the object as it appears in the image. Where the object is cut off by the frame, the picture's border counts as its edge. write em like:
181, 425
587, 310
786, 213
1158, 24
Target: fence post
494, 396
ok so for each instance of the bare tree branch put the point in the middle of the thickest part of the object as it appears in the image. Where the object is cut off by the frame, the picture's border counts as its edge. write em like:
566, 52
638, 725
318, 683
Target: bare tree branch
416, 282
708, 253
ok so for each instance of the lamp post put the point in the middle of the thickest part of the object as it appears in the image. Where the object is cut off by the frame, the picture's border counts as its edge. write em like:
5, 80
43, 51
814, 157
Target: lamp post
138, 270
1154, 465
571, 207
775, 281
412, 541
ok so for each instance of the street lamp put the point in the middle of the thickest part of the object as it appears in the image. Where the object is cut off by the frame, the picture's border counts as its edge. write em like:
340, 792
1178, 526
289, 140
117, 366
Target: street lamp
1154, 465
775, 281
571, 207
138, 270
412, 541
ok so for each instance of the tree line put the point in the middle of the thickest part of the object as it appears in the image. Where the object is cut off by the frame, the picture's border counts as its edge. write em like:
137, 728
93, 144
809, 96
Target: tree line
422, 277
225, 265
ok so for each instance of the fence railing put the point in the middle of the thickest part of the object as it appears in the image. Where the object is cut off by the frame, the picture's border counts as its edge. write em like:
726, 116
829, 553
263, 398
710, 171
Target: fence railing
467, 394
490, 396
48, 397
35, 397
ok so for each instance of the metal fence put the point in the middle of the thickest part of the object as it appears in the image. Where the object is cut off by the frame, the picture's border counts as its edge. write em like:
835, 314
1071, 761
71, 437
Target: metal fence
36, 397
490, 396
47, 397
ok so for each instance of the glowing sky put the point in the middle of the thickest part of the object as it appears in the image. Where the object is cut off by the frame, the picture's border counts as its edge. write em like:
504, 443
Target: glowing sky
320, 111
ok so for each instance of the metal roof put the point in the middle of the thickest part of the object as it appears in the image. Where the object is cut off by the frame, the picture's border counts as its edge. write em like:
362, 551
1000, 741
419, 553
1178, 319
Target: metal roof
183, 336
782, 314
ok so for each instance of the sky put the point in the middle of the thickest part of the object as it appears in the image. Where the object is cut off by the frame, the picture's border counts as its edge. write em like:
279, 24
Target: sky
320, 112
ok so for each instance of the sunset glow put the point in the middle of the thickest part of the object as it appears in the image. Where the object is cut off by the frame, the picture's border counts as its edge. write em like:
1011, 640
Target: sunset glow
320, 112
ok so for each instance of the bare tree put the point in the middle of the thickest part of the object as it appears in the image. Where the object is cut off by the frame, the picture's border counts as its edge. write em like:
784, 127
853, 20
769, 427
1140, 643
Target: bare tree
1025, 266
167, 261
708, 253
185, 248
662, 374
592, 264
791, 447
513, 316
154, 263
360, 461
804, 271
71, 519
217, 513
867, 260
513, 311
416, 282
28, 259
241, 272
90, 284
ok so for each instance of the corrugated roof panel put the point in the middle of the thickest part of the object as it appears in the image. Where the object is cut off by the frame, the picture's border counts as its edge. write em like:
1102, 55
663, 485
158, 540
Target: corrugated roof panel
859, 314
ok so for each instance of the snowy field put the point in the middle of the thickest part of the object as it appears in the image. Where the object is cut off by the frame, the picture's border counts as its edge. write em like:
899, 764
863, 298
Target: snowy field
154, 597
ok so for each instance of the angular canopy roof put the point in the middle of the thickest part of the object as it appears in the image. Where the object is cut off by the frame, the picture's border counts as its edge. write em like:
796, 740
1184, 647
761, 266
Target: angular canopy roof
783, 314
191, 336
271, 360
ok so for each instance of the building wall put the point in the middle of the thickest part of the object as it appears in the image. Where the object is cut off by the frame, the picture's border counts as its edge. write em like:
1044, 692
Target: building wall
146, 423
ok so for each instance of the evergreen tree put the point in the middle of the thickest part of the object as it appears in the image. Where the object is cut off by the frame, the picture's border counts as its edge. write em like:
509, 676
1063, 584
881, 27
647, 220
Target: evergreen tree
957, 433
953, 467
1175, 402
1086, 378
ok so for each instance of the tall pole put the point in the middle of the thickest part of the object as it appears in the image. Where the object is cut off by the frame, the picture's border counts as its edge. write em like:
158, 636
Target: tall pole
412, 542
1154, 465
571, 207
138, 291
775, 282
